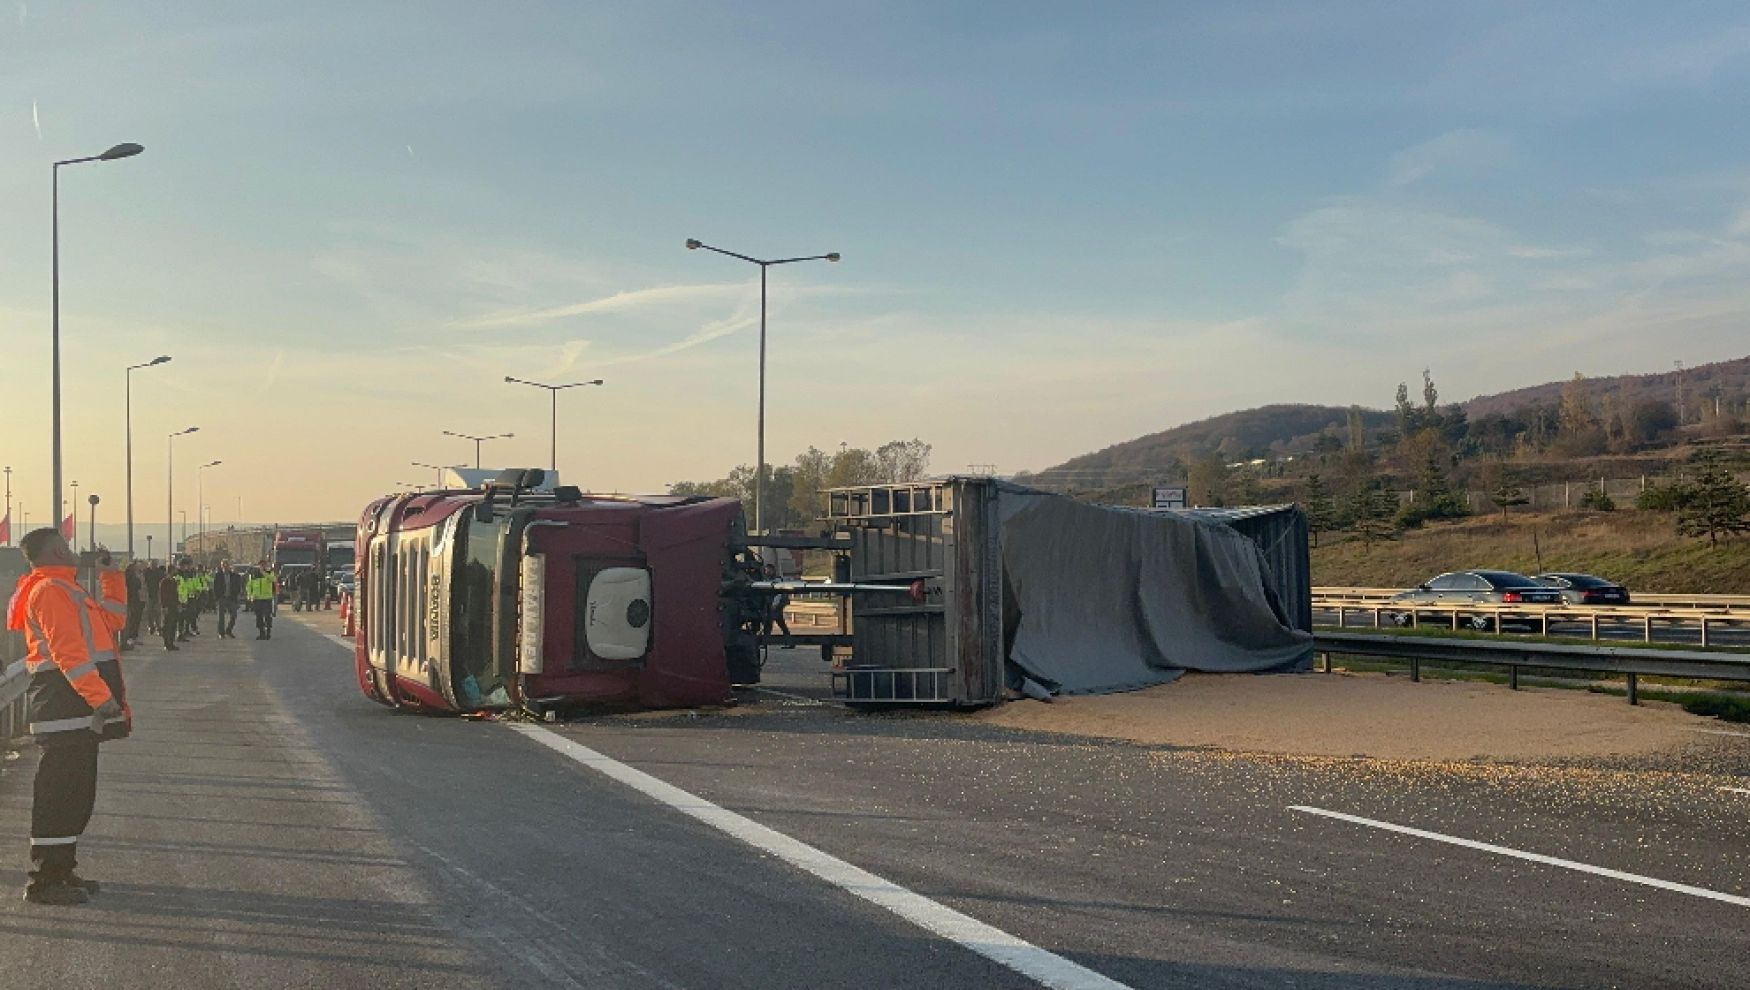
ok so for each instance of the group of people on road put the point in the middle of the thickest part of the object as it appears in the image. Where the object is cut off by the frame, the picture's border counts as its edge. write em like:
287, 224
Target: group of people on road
308, 590
168, 600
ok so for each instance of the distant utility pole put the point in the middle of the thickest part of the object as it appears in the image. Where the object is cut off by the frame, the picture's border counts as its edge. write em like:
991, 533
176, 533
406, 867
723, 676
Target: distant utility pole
1678, 365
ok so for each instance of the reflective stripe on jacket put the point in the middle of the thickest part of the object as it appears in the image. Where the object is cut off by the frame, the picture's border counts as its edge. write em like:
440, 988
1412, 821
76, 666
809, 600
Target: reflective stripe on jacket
115, 595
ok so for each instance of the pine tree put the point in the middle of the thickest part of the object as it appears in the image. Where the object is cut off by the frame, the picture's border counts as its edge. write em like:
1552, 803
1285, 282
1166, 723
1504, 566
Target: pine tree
1435, 497
1321, 509
1407, 418
1507, 494
1719, 506
1371, 509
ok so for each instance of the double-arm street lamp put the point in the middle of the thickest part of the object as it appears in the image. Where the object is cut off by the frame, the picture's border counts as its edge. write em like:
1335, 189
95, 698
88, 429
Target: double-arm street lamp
170, 490
759, 478
439, 468
160, 359
119, 151
478, 441
553, 454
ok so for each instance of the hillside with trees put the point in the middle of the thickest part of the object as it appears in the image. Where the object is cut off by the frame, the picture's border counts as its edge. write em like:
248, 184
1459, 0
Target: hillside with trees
1633, 419
794, 496
1393, 485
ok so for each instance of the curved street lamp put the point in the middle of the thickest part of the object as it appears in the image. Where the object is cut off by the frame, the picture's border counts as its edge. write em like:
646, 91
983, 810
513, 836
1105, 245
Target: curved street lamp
200, 501
170, 490
127, 150
129, 375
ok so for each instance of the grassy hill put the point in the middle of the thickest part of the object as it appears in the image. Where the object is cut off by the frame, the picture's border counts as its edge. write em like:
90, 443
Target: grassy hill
1635, 548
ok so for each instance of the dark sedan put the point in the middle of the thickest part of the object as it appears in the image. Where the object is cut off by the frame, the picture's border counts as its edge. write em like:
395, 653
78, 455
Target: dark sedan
1482, 587
1585, 589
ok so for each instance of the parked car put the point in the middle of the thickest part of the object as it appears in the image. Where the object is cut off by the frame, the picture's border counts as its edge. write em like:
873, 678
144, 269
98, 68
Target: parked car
1585, 589
1482, 587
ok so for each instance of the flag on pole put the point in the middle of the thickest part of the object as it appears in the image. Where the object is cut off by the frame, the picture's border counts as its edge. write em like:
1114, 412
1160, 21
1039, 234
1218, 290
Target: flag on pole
6, 530
69, 527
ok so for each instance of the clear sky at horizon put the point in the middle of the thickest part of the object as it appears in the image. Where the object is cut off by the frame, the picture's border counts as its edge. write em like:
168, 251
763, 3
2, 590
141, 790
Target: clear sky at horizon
1063, 225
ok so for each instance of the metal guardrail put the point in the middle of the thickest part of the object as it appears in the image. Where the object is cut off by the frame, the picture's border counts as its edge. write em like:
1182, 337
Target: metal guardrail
13, 680
1634, 662
892, 685
1489, 616
1722, 603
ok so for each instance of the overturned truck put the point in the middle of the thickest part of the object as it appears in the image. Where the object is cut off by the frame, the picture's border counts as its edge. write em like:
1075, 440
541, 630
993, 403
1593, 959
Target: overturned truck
1042, 594
958, 591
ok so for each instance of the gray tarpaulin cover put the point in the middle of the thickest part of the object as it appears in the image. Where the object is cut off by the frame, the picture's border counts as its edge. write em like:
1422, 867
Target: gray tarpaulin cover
1113, 599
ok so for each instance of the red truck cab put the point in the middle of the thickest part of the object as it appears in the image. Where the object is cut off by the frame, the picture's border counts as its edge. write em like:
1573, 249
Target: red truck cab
502, 598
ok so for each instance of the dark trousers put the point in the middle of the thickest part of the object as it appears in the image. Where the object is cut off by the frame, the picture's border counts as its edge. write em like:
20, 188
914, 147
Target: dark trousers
227, 617
263, 609
65, 792
136, 612
170, 624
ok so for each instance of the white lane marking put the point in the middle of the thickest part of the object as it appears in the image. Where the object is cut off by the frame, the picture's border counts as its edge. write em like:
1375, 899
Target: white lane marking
793, 697
1029, 960
341, 640
1567, 864
1718, 732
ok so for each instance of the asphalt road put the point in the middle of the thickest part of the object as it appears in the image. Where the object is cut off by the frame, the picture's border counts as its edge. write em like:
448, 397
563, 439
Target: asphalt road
267, 826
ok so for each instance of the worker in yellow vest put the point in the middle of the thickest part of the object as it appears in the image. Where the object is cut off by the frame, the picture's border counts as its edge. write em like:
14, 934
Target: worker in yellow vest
261, 601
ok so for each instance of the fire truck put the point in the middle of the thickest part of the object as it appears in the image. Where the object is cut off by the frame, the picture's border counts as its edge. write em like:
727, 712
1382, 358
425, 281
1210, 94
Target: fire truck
511, 596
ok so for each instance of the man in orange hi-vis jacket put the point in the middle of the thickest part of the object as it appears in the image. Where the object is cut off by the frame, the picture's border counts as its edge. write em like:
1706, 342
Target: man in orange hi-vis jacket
76, 698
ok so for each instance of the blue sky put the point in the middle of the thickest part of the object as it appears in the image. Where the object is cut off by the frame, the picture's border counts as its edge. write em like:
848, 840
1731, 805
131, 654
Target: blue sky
1063, 225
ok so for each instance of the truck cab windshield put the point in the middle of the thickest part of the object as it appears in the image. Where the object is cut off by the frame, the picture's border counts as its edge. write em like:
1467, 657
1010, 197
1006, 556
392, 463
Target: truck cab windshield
478, 681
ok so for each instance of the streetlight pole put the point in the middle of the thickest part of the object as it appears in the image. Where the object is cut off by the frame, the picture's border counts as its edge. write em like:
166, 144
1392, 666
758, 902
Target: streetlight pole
184, 514
129, 391
759, 477
91, 528
170, 490
9, 539
200, 501
119, 151
554, 390
64, 511
439, 468
478, 441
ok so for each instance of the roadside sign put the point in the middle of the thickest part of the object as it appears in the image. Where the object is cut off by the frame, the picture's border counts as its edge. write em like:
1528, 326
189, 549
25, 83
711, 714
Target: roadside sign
1169, 497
